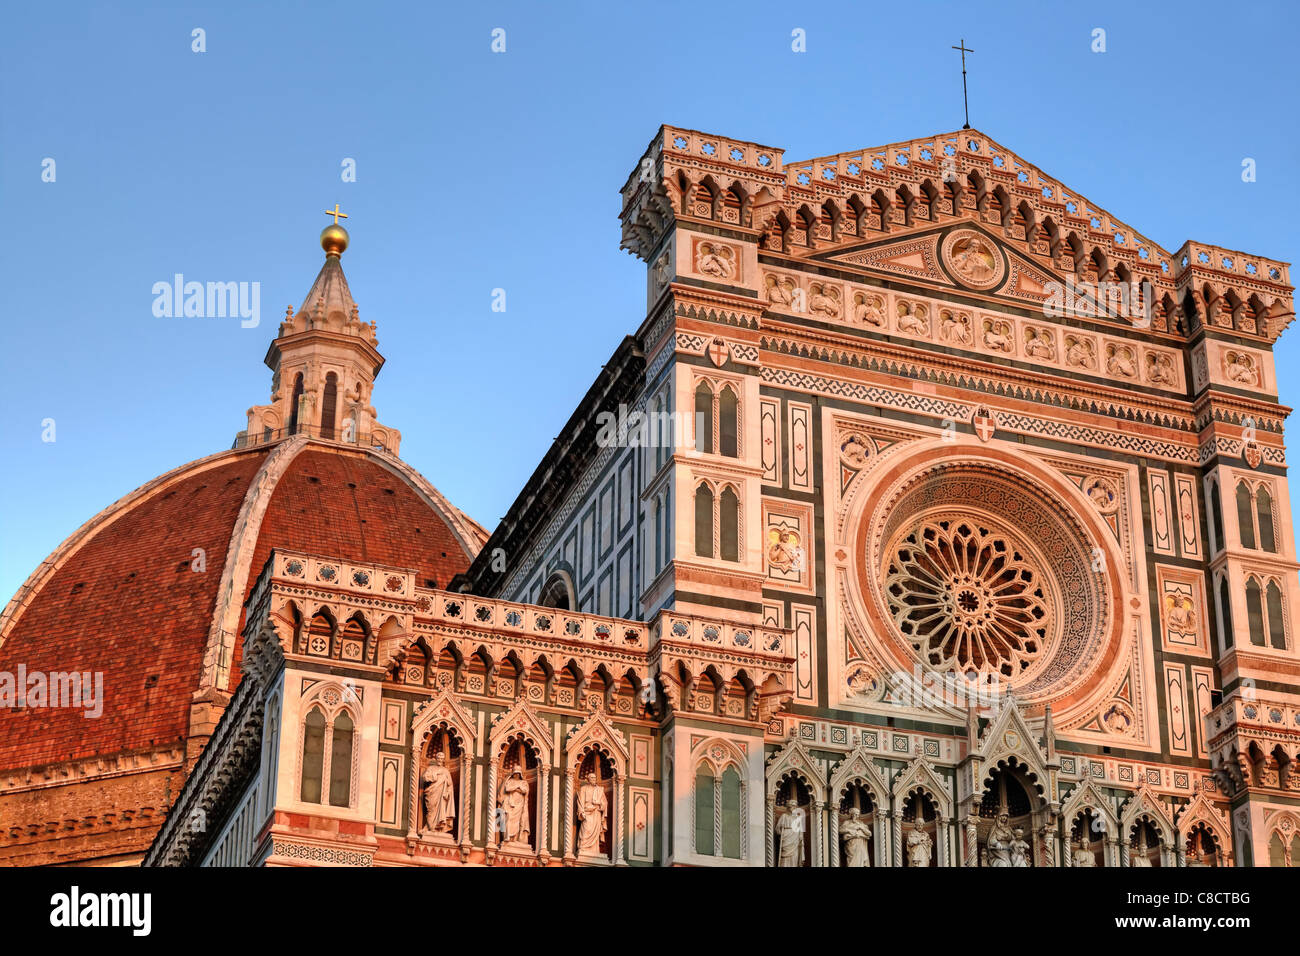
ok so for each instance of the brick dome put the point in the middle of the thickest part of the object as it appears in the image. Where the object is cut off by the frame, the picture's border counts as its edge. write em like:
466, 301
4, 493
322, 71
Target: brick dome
123, 594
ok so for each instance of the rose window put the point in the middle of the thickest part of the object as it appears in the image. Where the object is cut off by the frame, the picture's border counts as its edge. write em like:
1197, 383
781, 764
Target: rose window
968, 597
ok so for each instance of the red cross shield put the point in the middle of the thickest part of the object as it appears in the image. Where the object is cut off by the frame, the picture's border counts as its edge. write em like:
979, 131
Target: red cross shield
718, 352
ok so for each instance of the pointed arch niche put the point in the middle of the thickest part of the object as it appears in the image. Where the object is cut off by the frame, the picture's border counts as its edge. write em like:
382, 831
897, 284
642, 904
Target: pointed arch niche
794, 781
443, 727
1089, 816
519, 750
856, 784
1147, 837
595, 747
919, 792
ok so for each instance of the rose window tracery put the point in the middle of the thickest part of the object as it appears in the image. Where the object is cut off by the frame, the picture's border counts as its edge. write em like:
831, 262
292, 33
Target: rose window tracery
969, 567
968, 597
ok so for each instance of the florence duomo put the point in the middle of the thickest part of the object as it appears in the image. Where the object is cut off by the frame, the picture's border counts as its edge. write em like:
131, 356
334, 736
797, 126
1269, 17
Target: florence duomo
916, 511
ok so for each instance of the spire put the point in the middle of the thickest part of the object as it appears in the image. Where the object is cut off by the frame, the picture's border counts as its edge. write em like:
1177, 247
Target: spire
325, 361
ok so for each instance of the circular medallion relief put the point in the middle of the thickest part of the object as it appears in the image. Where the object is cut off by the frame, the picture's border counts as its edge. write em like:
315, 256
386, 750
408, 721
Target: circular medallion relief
973, 259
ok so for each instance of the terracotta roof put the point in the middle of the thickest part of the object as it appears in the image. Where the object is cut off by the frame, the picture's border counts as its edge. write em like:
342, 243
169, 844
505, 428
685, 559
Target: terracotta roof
119, 597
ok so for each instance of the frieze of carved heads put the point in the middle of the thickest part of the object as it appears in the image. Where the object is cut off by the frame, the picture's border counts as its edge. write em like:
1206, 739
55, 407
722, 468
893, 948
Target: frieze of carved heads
997, 335
1240, 367
1040, 343
780, 290
717, 260
1160, 369
913, 318
824, 299
1121, 361
1081, 352
955, 327
869, 310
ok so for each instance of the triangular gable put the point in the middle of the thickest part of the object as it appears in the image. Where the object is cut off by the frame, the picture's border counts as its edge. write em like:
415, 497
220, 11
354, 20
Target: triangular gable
858, 765
520, 719
596, 730
1009, 735
443, 709
1145, 802
916, 256
1086, 796
793, 757
1202, 810
918, 774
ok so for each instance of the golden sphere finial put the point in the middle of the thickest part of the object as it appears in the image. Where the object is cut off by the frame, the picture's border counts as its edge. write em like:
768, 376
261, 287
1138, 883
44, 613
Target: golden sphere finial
334, 238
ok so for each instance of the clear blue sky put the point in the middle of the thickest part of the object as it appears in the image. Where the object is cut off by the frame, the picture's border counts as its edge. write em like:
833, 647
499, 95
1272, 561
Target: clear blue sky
479, 170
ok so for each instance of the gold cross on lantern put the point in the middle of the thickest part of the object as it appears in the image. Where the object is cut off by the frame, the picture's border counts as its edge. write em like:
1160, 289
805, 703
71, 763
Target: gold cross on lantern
336, 214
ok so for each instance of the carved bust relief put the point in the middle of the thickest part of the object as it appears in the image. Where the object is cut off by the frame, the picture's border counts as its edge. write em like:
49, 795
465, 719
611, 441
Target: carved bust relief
973, 259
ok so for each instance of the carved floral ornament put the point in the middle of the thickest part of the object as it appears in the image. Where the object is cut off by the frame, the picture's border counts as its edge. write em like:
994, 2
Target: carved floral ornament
970, 568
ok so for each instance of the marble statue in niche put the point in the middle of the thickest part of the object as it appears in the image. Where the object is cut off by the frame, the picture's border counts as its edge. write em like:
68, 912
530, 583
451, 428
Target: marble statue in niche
593, 809
1019, 848
512, 808
439, 798
1139, 855
919, 844
1000, 840
855, 832
790, 829
1181, 614
1082, 855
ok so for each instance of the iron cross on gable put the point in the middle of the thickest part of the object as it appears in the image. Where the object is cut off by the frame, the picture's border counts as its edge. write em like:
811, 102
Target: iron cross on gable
965, 104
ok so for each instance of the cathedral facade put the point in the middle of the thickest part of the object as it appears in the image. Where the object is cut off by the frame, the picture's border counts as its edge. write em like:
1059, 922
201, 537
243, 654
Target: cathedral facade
931, 517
